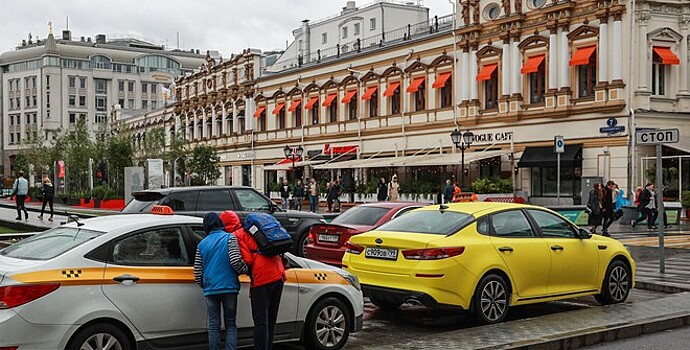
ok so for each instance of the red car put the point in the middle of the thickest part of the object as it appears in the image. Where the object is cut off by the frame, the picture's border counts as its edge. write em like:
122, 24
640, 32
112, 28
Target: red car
327, 241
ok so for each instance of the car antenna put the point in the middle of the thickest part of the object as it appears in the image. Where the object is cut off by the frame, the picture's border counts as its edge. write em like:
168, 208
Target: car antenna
442, 207
74, 218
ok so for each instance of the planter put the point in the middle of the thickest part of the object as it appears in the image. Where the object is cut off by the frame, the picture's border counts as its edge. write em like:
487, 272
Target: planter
112, 204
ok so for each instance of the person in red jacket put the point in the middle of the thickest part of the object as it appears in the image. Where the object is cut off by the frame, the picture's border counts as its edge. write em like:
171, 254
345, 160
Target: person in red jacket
267, 277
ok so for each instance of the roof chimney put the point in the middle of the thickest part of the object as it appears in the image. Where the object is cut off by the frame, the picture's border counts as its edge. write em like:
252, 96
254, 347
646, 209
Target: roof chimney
100, 39
88, 39
349, 7
66, 35
82, 39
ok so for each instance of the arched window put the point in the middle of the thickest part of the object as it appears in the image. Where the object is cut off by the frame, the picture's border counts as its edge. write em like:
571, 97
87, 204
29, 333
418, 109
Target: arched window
155, 63
101, 62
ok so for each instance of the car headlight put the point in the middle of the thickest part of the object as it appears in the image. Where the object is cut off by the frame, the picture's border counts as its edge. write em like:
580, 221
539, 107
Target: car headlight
352, 279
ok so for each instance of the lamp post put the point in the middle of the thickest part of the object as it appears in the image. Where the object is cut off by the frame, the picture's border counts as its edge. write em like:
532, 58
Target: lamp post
463, 141
293, 154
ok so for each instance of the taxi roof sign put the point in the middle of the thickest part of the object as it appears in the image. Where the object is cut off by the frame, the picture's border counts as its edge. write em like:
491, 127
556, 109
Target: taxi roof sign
162, 210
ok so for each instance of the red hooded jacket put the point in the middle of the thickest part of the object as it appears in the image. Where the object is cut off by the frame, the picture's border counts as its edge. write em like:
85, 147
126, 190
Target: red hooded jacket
264, 269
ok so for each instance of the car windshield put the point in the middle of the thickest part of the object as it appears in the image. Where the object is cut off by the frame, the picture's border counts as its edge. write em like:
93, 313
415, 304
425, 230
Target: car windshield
142, 202
49, 244
428, 221
361, 216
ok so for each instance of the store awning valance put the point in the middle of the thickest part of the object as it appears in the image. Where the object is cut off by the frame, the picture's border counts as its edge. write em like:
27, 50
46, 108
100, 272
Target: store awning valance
486, 71
416, 83
532, 64
281, 165
295, 104
441, 80
410, 161
370, 91
259, 110
279, 106
682, 145
327, 102
667, 56
311, 103
537, 157
348, 96
582, 55
390, 91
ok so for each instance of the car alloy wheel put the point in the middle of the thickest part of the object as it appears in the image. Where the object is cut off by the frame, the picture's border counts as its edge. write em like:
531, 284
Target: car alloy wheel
494, 301
330, 326
327, 326
619, 284
100, 336
101, 341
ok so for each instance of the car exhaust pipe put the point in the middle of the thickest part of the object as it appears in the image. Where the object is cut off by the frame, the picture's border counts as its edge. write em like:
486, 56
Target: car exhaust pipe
413, 302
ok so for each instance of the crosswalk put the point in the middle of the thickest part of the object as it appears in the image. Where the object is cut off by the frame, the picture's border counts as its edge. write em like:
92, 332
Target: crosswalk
671, 240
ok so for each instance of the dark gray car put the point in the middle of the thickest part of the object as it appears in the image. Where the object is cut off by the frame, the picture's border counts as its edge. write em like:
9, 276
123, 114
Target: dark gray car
197, 201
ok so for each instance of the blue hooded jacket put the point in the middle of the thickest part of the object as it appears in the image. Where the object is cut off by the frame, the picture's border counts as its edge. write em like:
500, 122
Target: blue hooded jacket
219, 277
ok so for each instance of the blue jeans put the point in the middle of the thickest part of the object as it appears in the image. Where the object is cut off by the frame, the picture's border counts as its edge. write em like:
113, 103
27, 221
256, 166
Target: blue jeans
265, 303
313, 202
213, 305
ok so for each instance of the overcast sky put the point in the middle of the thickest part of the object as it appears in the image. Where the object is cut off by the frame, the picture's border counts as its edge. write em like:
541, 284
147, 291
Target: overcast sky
227, 26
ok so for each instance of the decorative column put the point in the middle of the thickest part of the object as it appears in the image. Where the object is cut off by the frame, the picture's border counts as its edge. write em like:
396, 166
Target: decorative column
473, 109
564, 93
466, 75
683, 88
505, 76
616, 85
235, 122
550, 96
223, 121
602, 52
203, 124
643, 20
515, 101
195, 133
213, 122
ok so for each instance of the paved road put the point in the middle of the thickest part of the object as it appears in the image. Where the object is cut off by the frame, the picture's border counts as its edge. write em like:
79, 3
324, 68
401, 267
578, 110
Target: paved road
411, 322
674, 339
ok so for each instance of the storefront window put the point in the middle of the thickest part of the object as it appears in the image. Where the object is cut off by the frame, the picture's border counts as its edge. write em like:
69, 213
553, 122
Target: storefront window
544, 182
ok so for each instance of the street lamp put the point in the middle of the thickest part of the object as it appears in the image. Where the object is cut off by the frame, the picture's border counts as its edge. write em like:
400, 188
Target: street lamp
293, 154
463, 141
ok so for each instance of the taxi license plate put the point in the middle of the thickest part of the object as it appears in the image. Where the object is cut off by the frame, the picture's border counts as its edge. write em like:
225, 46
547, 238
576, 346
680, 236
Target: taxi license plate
381, 253
329, 238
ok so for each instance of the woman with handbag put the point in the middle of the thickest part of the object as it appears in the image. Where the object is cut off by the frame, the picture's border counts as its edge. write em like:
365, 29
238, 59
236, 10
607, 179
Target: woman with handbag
594, 207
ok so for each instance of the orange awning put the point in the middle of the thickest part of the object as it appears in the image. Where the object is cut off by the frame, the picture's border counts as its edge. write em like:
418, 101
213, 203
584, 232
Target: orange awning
329, 100
486, 71
582, 55
279, 106
441, 80
391, 89
294, 105
288, 161
258, 112
370, 91
532, 64
414, 87
667, 56
348, 96
312, 102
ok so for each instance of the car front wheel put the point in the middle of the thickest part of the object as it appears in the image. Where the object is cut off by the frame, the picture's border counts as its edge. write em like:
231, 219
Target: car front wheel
327, 326
100, 337
491, 299
616, 285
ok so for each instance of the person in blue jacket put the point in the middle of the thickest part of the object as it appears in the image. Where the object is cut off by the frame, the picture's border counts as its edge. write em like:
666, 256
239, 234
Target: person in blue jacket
217, 265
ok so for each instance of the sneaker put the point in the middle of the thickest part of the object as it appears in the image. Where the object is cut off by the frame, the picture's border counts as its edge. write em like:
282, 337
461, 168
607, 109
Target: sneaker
606, 234
40, 217
50, 218
633, 222
18, 218
667, 226
655, 227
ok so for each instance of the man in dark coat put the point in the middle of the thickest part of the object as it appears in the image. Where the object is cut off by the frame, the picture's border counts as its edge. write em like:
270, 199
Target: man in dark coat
608, 210
382, 190
448, 191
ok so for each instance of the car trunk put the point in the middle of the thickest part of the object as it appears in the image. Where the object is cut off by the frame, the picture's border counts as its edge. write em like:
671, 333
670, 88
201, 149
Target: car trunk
12, 265
142, 202
383, 251
331, 235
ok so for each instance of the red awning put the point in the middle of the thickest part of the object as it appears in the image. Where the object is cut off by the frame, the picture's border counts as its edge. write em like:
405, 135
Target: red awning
414, 87
288, 161
486, 71
294, 105
312, 102
348, 96
329, 100
370, 91
667, 56
279, 106
391, 89
441, 80
582, 55
532, 64
258, 112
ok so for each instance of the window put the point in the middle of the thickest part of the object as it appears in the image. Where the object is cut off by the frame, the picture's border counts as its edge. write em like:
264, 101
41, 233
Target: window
72, 118
344, 32
352, 107
333, 112
510, 224
34, 101
11, 120
552, 225
215, 201
544, 181
19, 137
28, 118
447, 93
101, 119
130, 86
11, 103
587, 76
374, 105
433, 222
144, 104
82, 83
28, 102
101, 62
298, 116
72, 82
372, 24
101, 86
154, 104
537, 84
491, 91
72, 100
356, 31
121, 86
101, 103
159, 247
420, 98
50, 244
361, 215
250, 200
33, 82
492, 11
182, 201
154, 88
82, 101
19, 103
11, 138
315, 114
144, 87
324, 38
82, 117
121, 102
130, 103
396, 101
658, 76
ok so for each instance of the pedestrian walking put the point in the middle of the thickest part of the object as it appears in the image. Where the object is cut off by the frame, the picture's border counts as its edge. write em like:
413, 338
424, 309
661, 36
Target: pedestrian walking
298, 195
334, 193
647, 199
394, 189
20, 189
313, 195
217, 264
448, 191
284, 194
48, 197
266, 287
382, 190
594, 206
608, 212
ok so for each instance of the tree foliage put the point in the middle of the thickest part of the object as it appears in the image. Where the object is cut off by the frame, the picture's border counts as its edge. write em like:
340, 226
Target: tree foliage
204, 163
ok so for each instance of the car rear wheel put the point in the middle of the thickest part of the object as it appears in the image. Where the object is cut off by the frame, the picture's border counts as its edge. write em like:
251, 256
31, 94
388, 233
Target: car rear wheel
491, 299
100, 337
327, 326
301, 250
385, 304
616, 285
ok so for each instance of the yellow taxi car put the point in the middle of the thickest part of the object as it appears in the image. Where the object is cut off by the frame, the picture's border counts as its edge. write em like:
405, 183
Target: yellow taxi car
485, 257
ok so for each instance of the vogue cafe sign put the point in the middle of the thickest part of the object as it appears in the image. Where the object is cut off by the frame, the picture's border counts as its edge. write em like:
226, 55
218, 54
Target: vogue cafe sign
497, 137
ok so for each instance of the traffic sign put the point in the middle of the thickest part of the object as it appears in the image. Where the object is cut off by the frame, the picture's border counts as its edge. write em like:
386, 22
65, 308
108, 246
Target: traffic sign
657, 137
559, 144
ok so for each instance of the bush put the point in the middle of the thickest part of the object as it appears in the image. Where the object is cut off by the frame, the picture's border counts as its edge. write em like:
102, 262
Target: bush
101, 192
483, 186
685, 199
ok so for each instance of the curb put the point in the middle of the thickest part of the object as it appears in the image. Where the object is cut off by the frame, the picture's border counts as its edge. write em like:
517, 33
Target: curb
669, 288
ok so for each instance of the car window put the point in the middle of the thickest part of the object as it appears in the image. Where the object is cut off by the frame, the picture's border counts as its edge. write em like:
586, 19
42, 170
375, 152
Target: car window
510, 224
49, 244
160, 246
429, 221
551, 225
403, 211
251, 201
214, 200
483, 225
142, 202
182, 201
361, 216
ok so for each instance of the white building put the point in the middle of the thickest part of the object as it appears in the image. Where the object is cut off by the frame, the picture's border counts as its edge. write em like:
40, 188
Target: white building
46, 86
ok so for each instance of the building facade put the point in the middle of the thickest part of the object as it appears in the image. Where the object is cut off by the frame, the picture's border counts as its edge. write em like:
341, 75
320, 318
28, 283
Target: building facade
48, 85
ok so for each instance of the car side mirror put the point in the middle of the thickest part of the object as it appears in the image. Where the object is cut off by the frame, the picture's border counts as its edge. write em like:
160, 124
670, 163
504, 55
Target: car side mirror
584, 233
273, 207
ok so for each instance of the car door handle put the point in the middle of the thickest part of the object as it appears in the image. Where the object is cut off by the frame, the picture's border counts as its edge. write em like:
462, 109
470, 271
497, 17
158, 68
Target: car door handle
123, 278
505, 249
556, 247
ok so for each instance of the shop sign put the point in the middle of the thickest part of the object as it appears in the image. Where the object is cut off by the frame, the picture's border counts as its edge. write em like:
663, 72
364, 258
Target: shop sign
246, 155
494, 137
337, 150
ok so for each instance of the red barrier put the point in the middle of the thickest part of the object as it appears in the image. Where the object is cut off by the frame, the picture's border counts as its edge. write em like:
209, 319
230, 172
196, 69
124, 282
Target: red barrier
113, 204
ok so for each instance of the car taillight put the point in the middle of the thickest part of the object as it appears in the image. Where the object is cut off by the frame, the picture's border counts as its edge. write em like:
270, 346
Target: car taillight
353, 248
432, 253
310, 237
13, 296
9, 348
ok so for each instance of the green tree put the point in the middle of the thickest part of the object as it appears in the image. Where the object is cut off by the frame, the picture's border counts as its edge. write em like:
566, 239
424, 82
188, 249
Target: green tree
178, 153
80, 147
119, 155
204, 163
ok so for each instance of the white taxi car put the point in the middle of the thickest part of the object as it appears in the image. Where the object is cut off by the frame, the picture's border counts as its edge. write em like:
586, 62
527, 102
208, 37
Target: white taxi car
126, 282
